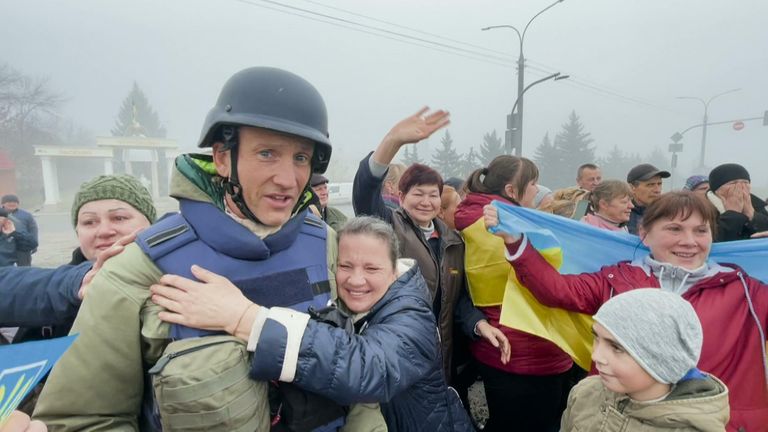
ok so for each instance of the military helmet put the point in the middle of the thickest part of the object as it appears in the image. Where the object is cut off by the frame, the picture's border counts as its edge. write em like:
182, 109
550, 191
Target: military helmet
274, 99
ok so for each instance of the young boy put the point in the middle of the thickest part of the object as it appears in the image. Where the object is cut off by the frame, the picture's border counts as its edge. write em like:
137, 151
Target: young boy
647, 345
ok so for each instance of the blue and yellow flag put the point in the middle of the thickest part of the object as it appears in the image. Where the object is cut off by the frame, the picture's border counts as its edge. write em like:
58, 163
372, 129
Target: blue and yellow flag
22, 366
574, 247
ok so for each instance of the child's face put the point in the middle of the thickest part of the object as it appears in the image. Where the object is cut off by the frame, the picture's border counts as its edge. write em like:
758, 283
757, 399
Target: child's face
619, 372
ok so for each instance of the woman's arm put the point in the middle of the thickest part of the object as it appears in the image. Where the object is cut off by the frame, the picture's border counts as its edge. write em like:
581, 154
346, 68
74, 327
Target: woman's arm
366, 190
577, 293
390, 356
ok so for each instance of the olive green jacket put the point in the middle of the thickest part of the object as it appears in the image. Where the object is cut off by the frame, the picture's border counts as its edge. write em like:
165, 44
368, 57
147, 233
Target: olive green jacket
99, 383
694, 405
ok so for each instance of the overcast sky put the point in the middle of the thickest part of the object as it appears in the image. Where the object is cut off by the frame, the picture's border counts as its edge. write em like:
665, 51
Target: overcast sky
628, 61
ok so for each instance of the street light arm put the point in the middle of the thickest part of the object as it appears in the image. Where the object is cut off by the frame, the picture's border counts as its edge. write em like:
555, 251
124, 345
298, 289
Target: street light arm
693, 98
519, 36
720, 94
534, 17
555, 75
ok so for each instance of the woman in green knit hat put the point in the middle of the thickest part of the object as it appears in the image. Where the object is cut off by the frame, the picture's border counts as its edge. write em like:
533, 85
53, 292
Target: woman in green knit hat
105, 209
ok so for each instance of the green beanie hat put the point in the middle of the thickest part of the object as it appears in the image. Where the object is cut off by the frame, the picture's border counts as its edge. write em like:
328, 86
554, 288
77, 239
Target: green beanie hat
120, 187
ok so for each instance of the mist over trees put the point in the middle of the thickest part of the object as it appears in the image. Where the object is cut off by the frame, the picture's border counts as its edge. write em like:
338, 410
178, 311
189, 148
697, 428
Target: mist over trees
445, 159
490, 148
559, 161
28, 117
137, 117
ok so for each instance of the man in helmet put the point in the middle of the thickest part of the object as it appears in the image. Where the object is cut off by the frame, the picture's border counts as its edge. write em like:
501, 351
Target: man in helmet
243, 215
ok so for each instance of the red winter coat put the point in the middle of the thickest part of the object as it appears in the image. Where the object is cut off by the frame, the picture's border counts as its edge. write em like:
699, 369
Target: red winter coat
531, 355
734, 333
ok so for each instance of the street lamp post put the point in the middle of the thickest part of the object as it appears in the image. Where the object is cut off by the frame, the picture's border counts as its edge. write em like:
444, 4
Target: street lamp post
706, 120
518, 137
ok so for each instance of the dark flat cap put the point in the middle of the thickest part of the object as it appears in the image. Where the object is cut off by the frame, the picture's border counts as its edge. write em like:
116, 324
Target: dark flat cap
645, 172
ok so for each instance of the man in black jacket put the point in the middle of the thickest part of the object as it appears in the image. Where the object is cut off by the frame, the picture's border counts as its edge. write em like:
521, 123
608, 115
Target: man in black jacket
742, 214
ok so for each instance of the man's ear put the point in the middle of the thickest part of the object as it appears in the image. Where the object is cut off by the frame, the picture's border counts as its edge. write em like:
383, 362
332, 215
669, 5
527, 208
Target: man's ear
221, 159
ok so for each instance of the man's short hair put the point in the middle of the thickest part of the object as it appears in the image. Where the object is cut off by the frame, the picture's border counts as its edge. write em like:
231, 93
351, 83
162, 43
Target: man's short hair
9, 198
581, 169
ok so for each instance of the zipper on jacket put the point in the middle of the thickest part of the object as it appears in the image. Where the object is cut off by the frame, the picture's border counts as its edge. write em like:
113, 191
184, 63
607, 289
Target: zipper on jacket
163, 362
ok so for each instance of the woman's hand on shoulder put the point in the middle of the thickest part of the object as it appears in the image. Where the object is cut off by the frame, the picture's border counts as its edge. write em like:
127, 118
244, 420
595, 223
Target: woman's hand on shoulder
211, 303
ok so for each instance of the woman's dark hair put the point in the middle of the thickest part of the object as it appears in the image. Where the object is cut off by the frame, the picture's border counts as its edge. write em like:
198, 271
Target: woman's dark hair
683, 204
503, 170
418, 174
372, 227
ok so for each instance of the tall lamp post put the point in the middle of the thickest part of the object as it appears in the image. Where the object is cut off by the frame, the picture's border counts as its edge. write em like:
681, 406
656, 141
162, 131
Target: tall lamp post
706, 120
518, 116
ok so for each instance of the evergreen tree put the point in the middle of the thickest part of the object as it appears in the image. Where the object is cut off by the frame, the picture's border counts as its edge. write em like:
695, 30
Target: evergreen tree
659, 159
573, 147
411, 157
445, 159
136, 107
616, 164
490, 148
548, 161
469, 163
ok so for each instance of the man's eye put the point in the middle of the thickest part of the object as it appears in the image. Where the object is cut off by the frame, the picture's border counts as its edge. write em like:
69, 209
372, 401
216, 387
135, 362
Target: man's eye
302, 159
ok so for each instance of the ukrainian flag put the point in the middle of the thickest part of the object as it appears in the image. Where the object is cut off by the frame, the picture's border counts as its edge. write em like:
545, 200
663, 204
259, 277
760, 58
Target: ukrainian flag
574, 247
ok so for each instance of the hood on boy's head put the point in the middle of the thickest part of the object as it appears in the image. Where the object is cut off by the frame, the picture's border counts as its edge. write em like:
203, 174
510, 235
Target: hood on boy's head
659, 329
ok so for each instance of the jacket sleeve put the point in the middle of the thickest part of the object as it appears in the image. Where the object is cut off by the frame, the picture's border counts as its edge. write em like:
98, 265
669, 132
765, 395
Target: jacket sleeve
25, 242
31, 296
465, 314
730, 226
98, 383
578, 293
366, 193
390, 356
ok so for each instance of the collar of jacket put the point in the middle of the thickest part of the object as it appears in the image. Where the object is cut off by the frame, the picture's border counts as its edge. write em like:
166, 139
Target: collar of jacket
717, 274
448, 237
237, 241
692, 402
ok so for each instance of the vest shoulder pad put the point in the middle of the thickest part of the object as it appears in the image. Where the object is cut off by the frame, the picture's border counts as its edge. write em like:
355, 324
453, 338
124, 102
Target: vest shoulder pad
314, 226
165, 236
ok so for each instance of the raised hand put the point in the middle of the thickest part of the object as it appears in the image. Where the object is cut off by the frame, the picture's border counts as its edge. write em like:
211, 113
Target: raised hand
409, 130
7, 226
732, 196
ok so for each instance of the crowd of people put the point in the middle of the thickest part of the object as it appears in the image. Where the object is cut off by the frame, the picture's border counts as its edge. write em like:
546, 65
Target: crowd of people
258, 306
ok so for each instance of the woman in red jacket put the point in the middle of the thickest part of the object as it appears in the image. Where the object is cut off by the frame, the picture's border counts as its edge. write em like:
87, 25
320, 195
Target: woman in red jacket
529, 392
733, 307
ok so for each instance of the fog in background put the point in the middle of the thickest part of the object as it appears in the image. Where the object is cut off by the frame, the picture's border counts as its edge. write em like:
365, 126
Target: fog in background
628, 61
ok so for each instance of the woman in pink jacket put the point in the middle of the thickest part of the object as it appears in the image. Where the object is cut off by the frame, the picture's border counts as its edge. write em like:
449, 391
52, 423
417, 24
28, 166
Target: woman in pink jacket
733, 307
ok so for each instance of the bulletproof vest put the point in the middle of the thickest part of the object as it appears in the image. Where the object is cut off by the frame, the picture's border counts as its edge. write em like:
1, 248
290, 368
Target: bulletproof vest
202, 234
287, 269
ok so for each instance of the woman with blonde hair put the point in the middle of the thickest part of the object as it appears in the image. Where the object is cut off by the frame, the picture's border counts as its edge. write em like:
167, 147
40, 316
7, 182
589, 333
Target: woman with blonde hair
611, 203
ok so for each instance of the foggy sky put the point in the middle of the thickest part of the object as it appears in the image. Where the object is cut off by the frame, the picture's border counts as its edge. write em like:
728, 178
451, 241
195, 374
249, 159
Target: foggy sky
181, 52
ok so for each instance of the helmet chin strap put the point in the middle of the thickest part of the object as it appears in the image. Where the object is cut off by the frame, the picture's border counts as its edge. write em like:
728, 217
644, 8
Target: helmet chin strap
232, 185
